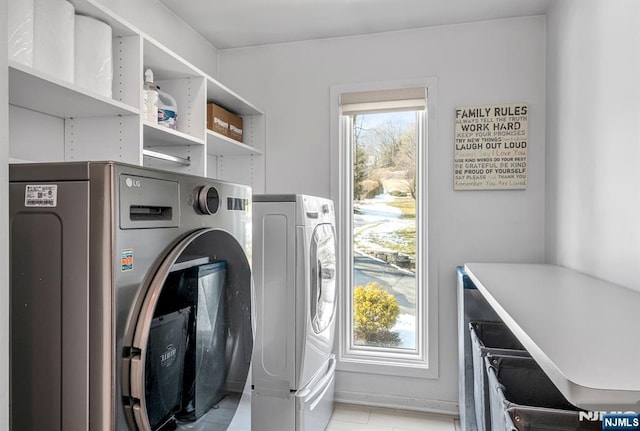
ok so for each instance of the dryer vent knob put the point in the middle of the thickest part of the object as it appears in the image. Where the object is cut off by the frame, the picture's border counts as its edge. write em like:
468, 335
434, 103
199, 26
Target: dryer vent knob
208, 200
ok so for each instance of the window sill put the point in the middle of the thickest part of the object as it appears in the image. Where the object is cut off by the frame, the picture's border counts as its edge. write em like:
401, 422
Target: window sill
414, 369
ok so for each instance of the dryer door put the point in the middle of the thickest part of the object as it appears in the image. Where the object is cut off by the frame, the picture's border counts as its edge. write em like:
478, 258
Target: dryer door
320, 286
323, 277
189, 338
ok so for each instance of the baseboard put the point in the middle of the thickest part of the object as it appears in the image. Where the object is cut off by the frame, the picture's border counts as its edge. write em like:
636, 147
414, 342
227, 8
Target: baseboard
449, 408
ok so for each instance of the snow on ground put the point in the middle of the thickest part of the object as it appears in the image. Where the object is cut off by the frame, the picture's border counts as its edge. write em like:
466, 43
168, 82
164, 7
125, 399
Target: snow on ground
406, 328
380, 221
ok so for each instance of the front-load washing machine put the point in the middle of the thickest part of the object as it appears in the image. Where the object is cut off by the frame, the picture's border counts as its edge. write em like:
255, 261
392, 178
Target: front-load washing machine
131, 299
296, 292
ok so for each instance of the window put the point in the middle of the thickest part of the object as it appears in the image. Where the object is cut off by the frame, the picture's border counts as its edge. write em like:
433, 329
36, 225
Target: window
384, 232
385, 324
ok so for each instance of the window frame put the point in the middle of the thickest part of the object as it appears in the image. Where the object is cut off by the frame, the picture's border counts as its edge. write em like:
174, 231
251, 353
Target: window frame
422, 361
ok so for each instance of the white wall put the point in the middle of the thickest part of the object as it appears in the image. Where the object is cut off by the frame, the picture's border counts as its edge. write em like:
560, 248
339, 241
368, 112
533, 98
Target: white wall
593, 138
156, 20
4, 226
480, 63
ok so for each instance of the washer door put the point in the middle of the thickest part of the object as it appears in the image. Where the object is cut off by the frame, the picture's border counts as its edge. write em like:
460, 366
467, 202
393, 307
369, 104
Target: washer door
188, 347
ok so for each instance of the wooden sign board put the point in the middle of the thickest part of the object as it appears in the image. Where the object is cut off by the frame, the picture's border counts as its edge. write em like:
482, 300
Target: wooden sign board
491, 147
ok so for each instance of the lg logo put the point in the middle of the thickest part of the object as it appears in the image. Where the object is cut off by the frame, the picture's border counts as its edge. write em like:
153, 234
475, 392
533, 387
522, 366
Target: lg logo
132, 183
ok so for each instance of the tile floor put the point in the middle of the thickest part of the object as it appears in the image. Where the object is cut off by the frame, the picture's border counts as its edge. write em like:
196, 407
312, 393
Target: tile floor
347, 417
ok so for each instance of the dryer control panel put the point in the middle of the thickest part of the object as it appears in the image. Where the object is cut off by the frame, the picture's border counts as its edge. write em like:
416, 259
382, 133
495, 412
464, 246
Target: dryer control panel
317, 210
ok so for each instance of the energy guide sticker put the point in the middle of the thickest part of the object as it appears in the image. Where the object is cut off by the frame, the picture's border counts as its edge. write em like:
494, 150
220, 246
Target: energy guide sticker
41, 196
126, 260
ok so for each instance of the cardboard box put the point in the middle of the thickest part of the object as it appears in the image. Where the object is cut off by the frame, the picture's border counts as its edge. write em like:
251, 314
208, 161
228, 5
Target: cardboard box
235, 126
217, 119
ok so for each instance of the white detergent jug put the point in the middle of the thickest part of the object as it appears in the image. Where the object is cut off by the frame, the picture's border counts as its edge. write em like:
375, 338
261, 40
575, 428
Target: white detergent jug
167, 110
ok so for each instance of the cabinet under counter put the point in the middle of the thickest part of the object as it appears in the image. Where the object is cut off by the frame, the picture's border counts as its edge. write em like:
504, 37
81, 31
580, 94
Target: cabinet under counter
582, 331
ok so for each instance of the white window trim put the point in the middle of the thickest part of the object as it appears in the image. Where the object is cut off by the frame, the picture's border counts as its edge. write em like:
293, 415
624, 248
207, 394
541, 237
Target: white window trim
389, 362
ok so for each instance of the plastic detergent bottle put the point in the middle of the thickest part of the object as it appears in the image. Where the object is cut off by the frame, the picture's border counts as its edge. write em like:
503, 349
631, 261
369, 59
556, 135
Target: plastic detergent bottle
150, 98
167, 110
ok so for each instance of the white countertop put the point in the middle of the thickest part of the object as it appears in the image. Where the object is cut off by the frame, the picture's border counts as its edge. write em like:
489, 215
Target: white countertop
582, 331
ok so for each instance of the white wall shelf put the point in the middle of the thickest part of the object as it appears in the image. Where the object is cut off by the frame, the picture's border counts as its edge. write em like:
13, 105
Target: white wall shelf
92, 8
221, 95
220, 145
166, 64
42, 93
157, 136
56, 120
188, 93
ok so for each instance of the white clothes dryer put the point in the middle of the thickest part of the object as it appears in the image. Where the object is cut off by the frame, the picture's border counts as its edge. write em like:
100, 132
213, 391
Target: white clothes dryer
294, 255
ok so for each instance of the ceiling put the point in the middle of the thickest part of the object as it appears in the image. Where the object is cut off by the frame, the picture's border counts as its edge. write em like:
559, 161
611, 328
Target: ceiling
240, 23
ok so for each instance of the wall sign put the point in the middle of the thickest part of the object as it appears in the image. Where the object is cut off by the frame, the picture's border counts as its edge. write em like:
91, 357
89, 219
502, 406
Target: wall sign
491, 147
